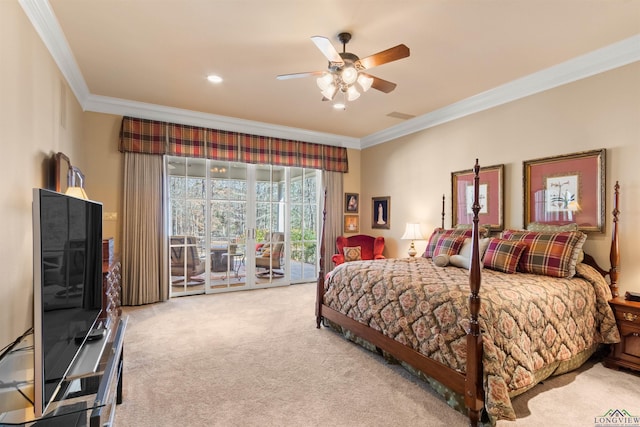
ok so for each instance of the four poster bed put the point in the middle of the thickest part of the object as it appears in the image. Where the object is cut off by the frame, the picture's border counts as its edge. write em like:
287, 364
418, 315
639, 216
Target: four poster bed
478, 349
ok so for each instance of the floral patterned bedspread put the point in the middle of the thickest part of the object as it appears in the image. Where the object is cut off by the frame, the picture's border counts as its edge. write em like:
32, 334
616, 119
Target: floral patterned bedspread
528, 321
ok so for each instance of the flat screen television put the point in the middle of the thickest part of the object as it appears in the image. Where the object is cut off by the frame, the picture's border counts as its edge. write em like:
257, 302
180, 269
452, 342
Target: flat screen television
67, 241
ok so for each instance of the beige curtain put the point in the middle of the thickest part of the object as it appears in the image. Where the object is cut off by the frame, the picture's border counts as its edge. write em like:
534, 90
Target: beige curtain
332, 183
144, 247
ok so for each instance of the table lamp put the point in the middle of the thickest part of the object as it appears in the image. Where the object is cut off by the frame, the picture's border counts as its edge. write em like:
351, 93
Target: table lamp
412, 232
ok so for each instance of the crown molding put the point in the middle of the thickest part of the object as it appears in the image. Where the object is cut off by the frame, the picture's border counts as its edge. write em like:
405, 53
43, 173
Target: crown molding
46, 25
123, 107
607, 58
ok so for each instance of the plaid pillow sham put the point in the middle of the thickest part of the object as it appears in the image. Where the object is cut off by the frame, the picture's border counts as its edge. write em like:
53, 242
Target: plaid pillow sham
440, 232
503, 255
549, 254
448, 245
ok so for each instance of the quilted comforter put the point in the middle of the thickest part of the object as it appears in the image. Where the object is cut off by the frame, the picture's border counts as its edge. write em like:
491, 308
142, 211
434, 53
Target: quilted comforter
530, 323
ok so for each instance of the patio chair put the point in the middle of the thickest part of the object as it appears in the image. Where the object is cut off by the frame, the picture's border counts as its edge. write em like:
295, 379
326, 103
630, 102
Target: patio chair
269, 255
194, 266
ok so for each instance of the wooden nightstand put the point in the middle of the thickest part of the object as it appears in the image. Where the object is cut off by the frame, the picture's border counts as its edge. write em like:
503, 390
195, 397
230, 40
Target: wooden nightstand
626, 353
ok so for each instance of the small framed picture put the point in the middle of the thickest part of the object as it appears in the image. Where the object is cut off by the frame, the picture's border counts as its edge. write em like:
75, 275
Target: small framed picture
351, 203
381, 212
351, 224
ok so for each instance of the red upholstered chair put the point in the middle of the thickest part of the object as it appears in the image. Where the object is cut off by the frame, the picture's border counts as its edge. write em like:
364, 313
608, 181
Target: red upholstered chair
370, 247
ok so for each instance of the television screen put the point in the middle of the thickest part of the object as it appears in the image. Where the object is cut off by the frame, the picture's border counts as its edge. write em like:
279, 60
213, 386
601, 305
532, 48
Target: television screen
67, 285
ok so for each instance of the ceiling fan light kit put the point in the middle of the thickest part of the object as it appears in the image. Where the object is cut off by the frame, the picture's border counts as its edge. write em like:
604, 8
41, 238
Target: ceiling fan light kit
346, 69
349, 75
365, 81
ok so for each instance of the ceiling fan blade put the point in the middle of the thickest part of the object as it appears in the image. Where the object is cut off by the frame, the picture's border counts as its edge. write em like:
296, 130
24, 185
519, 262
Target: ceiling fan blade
327, 49
298, 75
389, 55
381, 84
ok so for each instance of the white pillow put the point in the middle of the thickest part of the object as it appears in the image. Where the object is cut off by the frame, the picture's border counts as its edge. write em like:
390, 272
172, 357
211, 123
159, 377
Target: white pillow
463, 259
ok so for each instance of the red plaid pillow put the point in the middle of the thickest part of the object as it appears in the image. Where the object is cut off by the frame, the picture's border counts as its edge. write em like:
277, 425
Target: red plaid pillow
440, 232
503, 255
550, 254
448, 245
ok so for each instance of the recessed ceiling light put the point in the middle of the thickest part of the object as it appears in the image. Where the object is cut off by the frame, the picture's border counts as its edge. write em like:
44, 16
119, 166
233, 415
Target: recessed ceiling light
214, 79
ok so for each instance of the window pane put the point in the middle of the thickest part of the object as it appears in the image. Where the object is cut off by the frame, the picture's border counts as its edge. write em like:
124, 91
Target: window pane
296, 221
194, 218
237, 219
218, 222
310, 221
219, 189
237, 190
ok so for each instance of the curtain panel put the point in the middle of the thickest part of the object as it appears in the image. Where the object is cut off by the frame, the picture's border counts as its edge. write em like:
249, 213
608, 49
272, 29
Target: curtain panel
332, 182
156, 137
144, 252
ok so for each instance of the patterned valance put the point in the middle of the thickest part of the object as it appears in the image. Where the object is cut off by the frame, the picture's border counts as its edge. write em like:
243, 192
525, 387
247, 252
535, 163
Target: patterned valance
143, 136
156, 137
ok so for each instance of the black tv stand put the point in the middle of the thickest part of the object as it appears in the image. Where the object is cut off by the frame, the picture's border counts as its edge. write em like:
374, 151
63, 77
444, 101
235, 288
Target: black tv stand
90, 390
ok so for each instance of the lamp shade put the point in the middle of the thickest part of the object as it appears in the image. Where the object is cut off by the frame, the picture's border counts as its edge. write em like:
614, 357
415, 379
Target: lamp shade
412, 232
349, 75
75, 183
324, 81
352, 93
329, 92
77, 192
365, 82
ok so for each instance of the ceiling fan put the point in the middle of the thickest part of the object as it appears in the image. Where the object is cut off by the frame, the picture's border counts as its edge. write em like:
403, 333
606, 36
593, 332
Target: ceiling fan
346, 69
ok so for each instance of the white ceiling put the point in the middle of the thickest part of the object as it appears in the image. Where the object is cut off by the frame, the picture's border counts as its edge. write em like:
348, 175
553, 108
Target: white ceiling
151, 57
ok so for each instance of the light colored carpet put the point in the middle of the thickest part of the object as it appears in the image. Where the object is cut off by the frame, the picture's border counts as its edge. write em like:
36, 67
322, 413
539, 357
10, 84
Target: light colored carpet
255, 358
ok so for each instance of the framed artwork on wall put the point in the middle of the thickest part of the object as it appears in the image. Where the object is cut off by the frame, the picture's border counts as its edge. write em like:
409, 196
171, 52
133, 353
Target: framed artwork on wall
381, 212
566, 189
351, 224
351, 203
491, 197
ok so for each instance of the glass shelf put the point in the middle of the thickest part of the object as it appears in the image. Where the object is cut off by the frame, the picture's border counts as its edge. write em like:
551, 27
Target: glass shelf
89, 392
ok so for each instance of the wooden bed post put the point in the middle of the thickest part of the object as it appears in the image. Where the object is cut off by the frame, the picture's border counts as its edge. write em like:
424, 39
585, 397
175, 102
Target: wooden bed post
320, 284
442, 212
614, 254
474, 396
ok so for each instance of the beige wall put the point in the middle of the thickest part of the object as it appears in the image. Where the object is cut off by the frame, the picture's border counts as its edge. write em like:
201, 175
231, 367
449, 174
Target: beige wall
599, 112
39, 116
351, 183
105, 164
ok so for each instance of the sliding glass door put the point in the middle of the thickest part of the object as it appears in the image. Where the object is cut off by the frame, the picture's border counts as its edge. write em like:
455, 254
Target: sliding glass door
270, 231
227, 220
187, 201
238, 226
